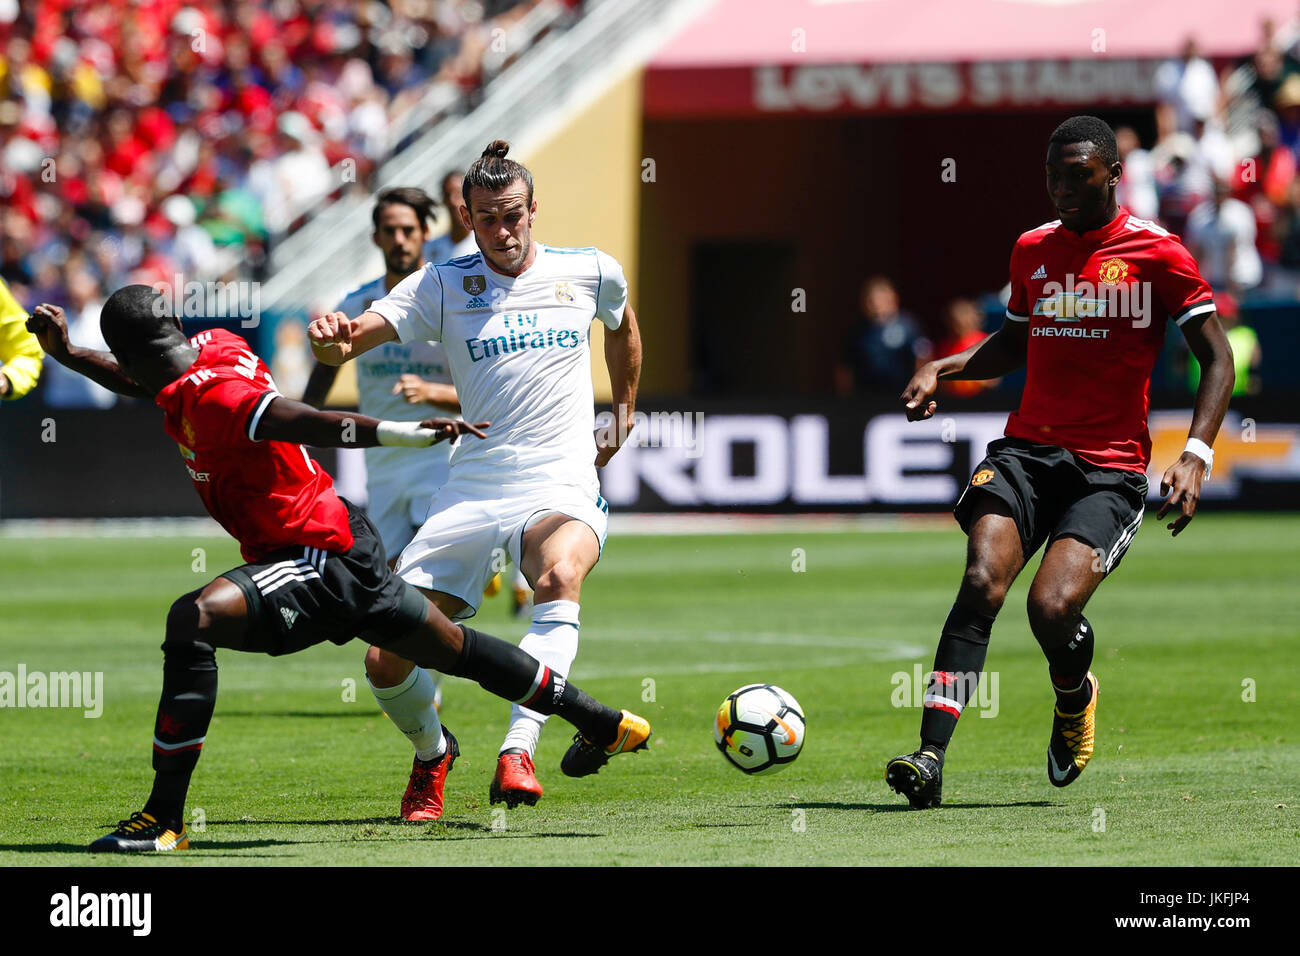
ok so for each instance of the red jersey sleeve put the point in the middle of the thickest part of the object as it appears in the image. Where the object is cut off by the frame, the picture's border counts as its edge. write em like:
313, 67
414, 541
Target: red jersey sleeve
1018, 305
229, 408
1178, 283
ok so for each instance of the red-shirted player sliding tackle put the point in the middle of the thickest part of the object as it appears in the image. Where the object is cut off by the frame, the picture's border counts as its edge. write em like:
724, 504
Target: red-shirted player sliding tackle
1090, 296
316, 570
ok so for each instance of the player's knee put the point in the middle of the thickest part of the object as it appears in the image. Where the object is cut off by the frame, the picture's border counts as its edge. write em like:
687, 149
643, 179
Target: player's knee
981, 585
183, 620
386, 669
562, 577
185, 642
215, 616
1053, 613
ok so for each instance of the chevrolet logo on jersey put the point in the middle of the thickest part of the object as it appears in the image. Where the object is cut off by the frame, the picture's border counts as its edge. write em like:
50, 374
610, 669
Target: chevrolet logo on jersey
1070, 307
474, 285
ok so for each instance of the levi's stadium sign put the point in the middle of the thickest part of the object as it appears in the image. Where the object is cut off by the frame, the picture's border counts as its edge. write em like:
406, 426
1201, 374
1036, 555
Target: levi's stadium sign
825, 88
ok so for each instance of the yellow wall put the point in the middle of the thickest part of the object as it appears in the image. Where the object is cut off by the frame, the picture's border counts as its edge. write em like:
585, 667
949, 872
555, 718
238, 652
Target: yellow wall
588, 181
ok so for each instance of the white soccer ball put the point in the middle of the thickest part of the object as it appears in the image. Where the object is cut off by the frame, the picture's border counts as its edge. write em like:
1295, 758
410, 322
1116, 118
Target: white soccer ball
759, 728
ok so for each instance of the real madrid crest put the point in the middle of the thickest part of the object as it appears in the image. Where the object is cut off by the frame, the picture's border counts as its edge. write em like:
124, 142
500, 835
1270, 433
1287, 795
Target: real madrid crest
563, 293
1113, 271
474, 285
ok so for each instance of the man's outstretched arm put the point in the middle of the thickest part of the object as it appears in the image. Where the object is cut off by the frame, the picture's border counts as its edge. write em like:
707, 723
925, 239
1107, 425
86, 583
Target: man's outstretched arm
286, 420
335, 338
50, 327
1182, 480
1001, 353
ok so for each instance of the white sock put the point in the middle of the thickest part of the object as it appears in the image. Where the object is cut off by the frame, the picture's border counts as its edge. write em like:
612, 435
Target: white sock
409, 705
553, 640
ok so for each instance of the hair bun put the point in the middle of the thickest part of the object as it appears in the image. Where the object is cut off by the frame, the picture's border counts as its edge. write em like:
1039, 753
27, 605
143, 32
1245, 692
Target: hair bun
497, 148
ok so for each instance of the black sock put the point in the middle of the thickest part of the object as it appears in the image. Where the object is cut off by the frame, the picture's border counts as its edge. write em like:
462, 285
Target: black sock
189, 695
963, 645
1068, 667
503, 669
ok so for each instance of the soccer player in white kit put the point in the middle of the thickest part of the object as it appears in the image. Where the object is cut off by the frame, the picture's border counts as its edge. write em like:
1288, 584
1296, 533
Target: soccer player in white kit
400, 482
459, 241
514, 319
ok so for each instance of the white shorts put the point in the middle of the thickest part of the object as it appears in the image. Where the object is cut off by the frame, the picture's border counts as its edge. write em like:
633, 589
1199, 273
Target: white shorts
399, 504
472, 526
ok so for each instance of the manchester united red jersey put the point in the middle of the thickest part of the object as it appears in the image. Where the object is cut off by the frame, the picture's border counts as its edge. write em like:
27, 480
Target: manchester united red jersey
267, 494
1097, 305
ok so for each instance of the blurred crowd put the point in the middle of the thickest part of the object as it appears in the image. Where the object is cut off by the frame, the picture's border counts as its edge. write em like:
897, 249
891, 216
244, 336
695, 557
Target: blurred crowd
144, 138
1222, 170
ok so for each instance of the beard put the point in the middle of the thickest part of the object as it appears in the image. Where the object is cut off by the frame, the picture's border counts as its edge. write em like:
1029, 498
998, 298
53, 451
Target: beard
398, 261
512, 260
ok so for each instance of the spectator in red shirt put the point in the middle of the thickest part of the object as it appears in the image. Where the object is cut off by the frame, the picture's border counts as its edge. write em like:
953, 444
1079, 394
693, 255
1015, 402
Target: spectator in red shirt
963, 327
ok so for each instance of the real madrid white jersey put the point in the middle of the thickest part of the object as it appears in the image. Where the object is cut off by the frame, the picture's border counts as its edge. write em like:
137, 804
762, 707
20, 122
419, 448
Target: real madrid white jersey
377, 373
520, 356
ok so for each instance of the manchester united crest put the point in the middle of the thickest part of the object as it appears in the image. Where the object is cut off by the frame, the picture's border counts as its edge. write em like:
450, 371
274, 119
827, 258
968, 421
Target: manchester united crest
982, 477
474, 285
1113, 271
563, 293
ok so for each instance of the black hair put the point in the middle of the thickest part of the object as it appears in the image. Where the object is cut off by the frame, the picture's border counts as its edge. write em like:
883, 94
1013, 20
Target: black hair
412, 196
137, 319
493, 172
1088, 129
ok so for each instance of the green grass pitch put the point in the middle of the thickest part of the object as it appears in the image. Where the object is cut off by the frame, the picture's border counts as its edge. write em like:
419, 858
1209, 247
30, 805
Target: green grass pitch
1197, 756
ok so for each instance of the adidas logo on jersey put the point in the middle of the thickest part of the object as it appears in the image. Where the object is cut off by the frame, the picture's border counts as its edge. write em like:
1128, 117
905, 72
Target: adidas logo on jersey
289, 615
1040, 274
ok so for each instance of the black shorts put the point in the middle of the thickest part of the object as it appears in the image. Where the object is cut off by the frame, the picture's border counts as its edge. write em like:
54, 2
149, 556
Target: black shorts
1054, 494
302, 596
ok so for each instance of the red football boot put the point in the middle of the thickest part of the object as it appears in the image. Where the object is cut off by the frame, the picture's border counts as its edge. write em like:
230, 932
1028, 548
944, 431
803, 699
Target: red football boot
423, 797
515, 781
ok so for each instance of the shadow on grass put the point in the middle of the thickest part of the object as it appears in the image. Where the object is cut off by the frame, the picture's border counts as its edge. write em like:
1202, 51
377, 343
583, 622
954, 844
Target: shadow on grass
894, 807
368, 821
392, 823
271, 712
79, 849
508, 835
201, 849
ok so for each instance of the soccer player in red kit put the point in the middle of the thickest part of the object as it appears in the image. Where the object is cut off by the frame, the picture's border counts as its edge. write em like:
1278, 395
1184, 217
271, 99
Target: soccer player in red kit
316, 570
1090, 296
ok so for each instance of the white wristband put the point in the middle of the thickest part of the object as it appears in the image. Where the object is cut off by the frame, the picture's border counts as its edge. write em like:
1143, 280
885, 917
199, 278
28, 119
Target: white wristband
1201, 451
407, 434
